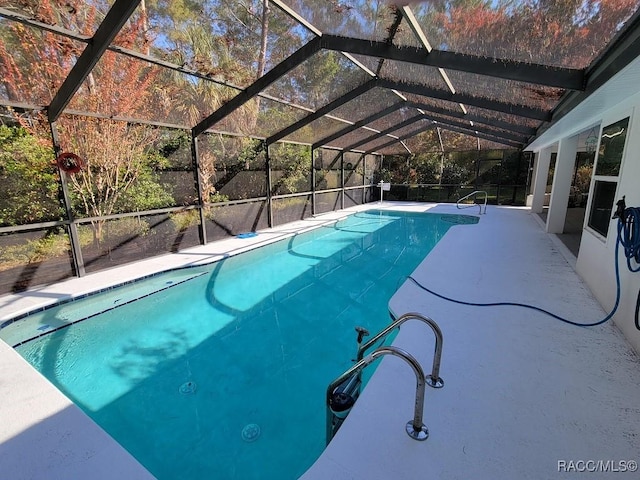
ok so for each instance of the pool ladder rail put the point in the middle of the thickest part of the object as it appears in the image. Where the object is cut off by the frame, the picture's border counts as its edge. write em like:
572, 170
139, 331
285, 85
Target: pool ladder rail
345, 390
475, 201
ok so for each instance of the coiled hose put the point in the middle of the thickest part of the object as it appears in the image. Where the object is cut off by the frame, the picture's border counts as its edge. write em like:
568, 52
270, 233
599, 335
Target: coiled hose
628, 238
631, 242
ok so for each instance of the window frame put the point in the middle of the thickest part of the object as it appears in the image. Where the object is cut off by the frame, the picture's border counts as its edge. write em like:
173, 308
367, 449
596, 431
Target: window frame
615, 179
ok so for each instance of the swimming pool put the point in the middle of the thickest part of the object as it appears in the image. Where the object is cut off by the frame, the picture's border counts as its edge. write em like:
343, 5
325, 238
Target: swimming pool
220, 371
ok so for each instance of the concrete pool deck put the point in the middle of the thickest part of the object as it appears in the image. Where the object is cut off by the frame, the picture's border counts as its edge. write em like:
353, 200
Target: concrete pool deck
523, 392
525, 395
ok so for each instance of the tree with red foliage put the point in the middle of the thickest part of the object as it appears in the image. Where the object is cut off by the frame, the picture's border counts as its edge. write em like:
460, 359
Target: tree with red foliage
117, 155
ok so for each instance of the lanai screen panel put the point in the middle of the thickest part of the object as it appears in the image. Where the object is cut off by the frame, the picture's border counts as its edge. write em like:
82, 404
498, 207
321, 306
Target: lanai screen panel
25, 263
365, 105
352, 138
504, 117
454, 141
221, 39
427, 141
430, 102
353, 169
321, 78
316, 130
566, 34
231, 168
509, 91
259, 118
482, 86
389, 124
366, 19
489, 145
472, 110
393, 119
128, 167
125, 87
374, 145
26, 161
78, 16
394, 149
487, 129
371, 167
328, 166
28, 54
290, 165
420, 123
413, 73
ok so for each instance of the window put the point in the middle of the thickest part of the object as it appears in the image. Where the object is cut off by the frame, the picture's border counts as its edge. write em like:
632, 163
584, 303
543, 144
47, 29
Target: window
603, 197
611, 148
607, 169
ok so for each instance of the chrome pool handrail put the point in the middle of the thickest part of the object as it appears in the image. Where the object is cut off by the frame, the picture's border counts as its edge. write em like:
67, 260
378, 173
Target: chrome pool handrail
475, 202
414, 428
432, 380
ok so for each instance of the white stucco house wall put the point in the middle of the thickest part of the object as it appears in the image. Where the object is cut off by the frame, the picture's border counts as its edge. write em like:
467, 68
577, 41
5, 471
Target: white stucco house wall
608, 106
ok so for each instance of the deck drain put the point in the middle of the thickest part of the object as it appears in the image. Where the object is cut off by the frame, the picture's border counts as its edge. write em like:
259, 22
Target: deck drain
187, 388
251, 432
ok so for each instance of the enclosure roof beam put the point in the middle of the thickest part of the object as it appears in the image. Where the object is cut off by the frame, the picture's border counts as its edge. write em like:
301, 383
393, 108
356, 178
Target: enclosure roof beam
518, 110
356, 92
288, 64
566, 78
478, 128
116, 17
475, 118
359, 124
387, 131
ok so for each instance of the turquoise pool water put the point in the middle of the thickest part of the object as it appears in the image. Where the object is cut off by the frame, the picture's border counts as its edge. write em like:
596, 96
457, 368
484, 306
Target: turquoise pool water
220, 371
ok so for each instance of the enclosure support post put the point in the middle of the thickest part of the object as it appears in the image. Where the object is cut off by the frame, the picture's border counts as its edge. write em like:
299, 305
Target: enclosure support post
313, 182
363, 157
197, 173
342, 180
269, 199
500, 179
381, 164
76, 250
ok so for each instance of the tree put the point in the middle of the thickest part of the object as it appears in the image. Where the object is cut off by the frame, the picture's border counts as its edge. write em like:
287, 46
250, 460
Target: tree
566, 33
28, 178
291, 168
118, 171
452, 176
427, 167
27, 53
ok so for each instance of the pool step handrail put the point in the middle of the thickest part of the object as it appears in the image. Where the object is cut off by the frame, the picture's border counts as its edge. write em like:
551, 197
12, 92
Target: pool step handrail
475, 200
433, 380
414, 428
